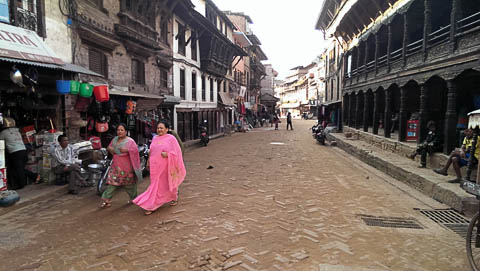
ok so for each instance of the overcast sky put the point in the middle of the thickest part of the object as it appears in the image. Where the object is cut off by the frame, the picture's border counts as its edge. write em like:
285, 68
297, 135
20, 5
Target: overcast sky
285, 28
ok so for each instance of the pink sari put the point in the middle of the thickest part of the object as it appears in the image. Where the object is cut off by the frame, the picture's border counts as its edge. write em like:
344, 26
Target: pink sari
166, 174
125, 168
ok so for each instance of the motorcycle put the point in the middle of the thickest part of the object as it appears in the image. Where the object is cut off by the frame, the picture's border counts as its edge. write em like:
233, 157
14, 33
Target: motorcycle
104, 166
204, 138
318, 133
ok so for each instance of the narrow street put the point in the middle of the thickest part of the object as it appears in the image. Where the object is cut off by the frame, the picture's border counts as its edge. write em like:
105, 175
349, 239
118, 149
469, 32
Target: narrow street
274, 200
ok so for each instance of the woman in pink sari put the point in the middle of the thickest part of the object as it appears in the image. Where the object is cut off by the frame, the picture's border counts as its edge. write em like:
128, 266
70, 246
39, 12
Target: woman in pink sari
167, 171
125, 170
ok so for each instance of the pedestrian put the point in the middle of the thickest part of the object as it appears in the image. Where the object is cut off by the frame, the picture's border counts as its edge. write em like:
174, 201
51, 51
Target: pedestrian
66, 163
16, 156
429, 145
125, 171
459, 157
289, 120
167, 171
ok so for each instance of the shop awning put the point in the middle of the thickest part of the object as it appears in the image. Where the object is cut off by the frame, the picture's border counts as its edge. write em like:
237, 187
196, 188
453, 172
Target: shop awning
169, 99
66, 67
225, 99
117, 92
331, 103
20, 43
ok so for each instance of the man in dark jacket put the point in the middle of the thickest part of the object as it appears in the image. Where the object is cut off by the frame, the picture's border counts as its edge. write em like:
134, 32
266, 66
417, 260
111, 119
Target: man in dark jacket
429, 145
289, 120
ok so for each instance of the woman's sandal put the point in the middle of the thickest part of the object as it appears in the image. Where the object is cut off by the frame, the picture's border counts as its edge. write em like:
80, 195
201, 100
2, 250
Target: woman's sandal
38, 180
105, 205
173, 202
148, 212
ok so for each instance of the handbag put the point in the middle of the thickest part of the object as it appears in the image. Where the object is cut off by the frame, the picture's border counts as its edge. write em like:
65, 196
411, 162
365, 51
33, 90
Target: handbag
96, 142
101, 127
82, 104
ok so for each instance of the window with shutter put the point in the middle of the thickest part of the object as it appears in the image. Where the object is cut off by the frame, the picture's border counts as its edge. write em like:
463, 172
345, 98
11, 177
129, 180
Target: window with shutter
182, 84
138, 72
194, 86
98, 62
203, 88
163, 78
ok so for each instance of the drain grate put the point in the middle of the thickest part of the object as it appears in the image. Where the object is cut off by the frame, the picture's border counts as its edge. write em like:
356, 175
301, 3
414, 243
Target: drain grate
391, 222
448, 218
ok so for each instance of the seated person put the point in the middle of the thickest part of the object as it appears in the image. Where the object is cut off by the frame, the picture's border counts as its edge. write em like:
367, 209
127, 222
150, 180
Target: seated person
459, 157
66, 163
429, 145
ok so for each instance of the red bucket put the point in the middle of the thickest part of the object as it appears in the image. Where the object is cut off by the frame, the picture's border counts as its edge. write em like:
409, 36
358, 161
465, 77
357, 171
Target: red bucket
101, 93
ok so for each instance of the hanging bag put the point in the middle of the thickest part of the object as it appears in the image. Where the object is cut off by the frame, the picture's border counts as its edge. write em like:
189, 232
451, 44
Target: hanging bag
131, 122
101, 127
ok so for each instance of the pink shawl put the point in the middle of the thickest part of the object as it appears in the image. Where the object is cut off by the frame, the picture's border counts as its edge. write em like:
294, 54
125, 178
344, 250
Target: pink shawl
124, 163
173, 164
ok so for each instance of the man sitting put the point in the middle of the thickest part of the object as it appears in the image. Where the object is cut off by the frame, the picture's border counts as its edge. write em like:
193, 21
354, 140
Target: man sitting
67, 163
459, 157
429, 145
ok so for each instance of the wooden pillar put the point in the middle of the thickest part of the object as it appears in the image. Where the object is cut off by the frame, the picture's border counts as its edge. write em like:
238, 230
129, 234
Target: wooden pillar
345, 109
376, 112
454, 16
389, 45
450, 118
402, 118
387, 120
427, 26
358, 61
357, 111
377, 45
350, 104
366, 115
366, 59
423, 113
405, 38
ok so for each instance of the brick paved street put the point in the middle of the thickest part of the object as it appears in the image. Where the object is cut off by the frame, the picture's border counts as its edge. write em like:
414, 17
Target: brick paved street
263, 206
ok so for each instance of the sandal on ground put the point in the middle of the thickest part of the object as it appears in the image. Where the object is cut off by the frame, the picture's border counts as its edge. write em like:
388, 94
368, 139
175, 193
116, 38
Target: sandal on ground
105, 205
148, 212
173, 202
38, 180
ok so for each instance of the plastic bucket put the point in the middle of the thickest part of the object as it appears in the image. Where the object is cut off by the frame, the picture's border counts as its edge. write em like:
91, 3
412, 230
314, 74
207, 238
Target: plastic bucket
86, 90
74, 87
101, 93
63, 86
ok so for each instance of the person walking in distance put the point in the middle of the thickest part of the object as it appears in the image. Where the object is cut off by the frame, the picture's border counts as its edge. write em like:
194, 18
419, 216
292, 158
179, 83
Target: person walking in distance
289, 120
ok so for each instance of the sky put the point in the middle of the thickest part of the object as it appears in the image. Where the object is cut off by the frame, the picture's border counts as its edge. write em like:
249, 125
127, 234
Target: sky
285, 28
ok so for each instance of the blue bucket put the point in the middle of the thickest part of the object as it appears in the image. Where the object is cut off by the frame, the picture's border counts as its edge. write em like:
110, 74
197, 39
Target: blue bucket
63, 86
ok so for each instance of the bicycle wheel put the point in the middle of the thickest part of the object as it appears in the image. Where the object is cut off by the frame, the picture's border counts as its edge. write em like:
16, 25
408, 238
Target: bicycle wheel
473, 243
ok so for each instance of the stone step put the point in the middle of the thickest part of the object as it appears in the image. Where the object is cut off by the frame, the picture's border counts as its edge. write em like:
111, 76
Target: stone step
407, 171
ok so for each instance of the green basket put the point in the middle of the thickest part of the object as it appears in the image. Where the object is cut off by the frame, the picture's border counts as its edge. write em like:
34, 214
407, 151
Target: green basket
86, 90
74, 87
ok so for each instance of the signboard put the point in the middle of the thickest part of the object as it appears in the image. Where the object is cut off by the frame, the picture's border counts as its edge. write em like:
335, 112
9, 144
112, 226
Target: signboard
16, 42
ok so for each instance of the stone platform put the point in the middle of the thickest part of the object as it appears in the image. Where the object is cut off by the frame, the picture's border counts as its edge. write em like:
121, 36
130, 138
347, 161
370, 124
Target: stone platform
389, 156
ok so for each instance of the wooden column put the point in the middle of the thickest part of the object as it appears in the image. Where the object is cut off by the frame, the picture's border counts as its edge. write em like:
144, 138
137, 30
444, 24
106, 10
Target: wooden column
405, 39
366, 115
376, 112
389, 45
427, 26
387, 120
402, 120
454, 16
377, 44
358, 61
366, 59
357, 111
350, 104
423, 118
450, 118
345, 109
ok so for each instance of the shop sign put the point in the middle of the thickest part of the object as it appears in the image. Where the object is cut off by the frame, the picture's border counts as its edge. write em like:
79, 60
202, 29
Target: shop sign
4, 15
16, 42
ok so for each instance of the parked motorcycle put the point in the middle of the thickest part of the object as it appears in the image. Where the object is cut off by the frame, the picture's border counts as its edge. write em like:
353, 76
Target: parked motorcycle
204, 139
100, 171
318, 133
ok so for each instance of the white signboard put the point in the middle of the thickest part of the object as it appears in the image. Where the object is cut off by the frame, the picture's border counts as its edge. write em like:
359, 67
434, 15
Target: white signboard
16, 42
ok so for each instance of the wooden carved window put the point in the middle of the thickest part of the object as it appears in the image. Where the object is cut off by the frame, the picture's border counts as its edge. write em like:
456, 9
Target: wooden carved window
98, 62
181, 39
182, 84
194, 86
163, 78
138, 72
203, 88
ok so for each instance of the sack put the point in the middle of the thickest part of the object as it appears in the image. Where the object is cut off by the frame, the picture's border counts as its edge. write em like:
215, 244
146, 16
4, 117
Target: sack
101, 127
96, 142
131, 122
82, 104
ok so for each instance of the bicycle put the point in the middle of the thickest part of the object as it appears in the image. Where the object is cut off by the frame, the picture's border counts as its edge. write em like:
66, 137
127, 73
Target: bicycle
473, 234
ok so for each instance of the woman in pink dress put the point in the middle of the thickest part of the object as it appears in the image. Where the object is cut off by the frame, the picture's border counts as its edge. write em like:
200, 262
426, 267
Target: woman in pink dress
125, 170
167, 171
